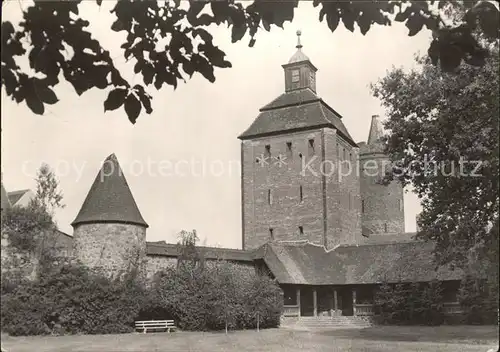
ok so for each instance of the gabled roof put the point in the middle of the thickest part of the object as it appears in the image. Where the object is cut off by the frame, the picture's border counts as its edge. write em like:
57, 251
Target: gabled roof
309, 264
296, 110
5, 203
14, 196
110, 198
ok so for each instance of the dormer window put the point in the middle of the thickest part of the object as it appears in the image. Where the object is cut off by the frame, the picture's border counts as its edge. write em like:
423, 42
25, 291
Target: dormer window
295, 76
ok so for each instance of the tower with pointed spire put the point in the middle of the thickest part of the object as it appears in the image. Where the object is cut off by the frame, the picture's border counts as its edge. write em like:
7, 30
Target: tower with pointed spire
109, 231
291, 188
382, 206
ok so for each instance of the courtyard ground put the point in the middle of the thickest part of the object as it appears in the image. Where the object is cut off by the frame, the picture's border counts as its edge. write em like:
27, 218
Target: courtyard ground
375, 339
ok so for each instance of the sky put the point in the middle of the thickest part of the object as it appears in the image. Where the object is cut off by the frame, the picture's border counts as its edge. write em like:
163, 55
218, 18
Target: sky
197, 124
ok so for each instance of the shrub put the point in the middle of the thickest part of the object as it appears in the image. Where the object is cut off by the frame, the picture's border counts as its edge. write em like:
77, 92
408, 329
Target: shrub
218, 296
405, 304
71, 299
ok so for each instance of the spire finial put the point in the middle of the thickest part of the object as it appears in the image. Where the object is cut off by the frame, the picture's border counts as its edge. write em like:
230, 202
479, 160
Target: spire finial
299, 33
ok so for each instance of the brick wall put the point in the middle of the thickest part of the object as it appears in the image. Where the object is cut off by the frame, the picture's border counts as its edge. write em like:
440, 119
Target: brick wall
328, 211
287, 211
383, 206
109, 247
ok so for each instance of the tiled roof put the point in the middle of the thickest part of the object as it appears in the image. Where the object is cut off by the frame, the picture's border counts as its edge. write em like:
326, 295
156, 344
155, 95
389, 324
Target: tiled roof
296, 110
110, 198
365, 264
14, 196
374, 143
171, 250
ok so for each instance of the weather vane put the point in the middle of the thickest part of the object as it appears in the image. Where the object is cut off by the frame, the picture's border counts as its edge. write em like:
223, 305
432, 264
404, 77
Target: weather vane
299, 33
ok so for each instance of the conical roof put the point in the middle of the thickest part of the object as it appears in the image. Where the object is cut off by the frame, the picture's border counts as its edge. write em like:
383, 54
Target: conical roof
110, 198
376, 131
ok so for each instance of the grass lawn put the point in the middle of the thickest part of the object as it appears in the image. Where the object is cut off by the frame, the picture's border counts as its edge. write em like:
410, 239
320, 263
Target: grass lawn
375, 339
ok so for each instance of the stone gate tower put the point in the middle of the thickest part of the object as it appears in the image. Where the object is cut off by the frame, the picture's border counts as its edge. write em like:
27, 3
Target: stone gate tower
109, 231
382, 207
290, 156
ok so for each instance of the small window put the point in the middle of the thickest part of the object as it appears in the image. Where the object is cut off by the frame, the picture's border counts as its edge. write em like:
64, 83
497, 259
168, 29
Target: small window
271, 234
363, 206
311, 147
344, 151
269, 197
301, 230
289, 149
301, 193
295, 76
400, 205
300, 155
311, 78
385, 227
268, 150
338, 150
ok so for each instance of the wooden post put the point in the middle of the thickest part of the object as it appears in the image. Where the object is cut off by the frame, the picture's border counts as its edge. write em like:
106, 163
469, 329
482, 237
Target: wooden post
298, 299
335, 301
353, 301
315, 302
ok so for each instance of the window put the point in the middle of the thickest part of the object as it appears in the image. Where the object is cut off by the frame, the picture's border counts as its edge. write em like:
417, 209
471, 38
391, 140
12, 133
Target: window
301, 230
338, 150
268, 150
311, 147
269, 197
362, 205
400, 205
300, 155
295, 76
301, 193
344, 151
271, 234
289, 149
385, 227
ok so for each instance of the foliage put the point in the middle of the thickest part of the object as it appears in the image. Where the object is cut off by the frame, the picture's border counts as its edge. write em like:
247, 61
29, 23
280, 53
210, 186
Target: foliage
168, 41
48, 195
189, 254
219, 296
479, 300
25, 226
70, 299
412, 303
443, 139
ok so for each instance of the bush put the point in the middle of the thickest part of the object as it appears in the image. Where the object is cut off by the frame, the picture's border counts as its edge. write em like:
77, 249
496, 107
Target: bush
479, 300
407, 304
219, 296
71, 299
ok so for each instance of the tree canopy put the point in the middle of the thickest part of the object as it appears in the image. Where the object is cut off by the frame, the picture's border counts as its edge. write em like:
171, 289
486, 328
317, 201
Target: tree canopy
443, 136
168, 41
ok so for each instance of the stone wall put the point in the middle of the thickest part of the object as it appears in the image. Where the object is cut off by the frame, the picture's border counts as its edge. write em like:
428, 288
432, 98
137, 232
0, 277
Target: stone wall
110, 247
157, 263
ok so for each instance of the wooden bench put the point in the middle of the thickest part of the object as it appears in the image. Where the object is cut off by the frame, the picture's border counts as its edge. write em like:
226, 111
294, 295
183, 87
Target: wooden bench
145, 325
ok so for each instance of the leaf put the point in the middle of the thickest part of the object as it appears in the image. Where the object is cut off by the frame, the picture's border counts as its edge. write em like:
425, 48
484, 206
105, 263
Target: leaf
44, 92
364, 23
332, 19
348, 18
118, 26
238, 32
415, 24
115, 99
403, 16
132, 107
32, 99
251, 43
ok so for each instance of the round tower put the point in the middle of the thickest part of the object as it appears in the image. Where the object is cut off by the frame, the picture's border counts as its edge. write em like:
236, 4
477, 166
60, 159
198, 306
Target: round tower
382, 206
109, 231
